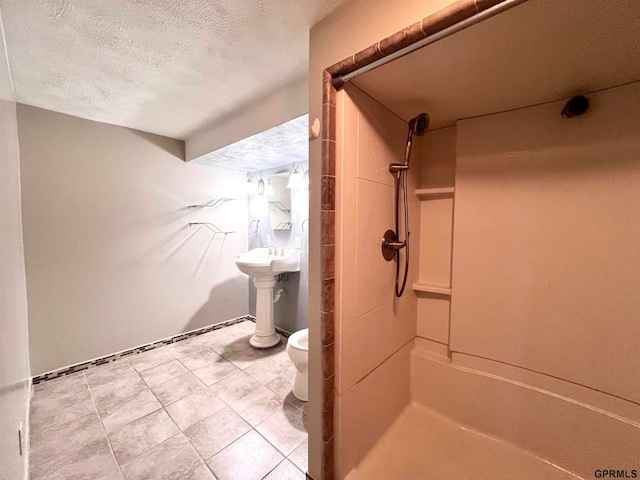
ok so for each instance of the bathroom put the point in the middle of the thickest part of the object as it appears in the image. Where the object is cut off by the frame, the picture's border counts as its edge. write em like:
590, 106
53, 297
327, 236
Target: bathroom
183, 229
493, 344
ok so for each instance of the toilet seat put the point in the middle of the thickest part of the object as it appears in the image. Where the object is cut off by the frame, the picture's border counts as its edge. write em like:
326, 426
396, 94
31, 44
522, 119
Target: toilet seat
300, 340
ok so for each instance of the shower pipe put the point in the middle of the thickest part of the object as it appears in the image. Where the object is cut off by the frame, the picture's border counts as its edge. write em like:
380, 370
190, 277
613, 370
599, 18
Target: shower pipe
339, 81
391, 244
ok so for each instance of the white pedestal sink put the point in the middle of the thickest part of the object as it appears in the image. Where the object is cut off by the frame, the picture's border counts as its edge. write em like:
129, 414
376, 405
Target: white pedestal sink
264, 264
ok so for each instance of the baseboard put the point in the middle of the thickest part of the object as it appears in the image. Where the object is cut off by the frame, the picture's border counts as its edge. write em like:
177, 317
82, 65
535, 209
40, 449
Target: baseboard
78, 367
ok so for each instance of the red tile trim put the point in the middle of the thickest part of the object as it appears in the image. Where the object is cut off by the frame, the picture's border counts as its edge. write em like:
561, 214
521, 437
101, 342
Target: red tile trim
454, 13
449, 16
327, 463
327, 328
328, 294
328, 193
328, 236
328, 121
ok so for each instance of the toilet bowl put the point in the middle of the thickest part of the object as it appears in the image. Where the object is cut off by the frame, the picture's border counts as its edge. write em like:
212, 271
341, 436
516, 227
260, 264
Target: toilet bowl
298, 350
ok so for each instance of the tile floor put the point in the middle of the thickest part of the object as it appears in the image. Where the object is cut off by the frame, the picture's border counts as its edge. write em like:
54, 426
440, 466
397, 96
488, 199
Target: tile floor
210, 407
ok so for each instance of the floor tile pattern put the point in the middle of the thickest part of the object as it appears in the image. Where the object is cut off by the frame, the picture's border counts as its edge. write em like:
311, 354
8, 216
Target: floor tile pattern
209, 407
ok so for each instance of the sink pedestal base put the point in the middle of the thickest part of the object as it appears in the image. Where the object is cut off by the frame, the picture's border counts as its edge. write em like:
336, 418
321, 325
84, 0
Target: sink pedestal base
265, 335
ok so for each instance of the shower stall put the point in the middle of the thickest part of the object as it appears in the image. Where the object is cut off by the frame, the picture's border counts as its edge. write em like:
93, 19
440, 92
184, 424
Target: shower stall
513, 351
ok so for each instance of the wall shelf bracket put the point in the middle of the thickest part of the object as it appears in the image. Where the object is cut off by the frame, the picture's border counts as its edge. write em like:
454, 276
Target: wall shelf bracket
214, 202
211, 227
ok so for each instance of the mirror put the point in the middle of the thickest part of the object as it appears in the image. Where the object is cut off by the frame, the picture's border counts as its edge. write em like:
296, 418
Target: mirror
279, 201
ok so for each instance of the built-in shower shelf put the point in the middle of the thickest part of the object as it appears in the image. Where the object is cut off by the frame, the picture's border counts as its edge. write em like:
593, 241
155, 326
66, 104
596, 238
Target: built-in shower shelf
434, 193
431, 288
211, 227
212, 203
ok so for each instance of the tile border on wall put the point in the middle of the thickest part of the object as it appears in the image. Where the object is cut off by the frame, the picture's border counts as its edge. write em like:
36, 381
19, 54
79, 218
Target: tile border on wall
79, 367
445, 18
327, 228
454, 13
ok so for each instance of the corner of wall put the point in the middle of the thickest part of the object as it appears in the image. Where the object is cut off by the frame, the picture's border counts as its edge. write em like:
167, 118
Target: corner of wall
15, 381
275, 108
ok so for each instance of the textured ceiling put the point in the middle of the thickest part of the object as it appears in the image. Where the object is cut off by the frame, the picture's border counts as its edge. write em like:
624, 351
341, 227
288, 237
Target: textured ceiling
162, 66
286, 143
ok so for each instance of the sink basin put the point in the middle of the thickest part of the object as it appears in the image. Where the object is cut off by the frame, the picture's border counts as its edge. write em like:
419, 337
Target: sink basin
259, 263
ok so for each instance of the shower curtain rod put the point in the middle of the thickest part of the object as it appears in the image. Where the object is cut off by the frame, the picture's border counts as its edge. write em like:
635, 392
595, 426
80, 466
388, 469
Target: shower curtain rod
339, 81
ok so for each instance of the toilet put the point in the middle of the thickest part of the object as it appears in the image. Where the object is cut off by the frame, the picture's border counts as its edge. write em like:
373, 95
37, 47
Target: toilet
298, 350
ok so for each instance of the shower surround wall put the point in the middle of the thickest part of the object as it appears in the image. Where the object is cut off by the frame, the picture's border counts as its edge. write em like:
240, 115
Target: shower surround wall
374, 329
292, 310
536, 342
111, 261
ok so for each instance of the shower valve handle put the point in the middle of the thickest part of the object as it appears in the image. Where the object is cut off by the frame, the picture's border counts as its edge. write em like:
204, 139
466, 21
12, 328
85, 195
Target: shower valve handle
390, 245
396, 245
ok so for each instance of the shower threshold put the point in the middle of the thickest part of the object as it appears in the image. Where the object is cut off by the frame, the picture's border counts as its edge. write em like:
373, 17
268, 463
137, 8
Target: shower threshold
422, 444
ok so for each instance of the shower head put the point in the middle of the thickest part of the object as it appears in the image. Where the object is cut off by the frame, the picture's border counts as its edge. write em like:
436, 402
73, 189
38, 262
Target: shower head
419, 124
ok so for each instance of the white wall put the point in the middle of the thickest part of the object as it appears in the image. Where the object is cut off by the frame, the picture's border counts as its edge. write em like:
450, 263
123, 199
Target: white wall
291, 311
110, 261
14, 342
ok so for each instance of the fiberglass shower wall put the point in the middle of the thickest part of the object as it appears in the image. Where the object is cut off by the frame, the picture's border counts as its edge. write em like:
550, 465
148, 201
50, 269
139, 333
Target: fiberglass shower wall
524, 305
375, 330
545, 269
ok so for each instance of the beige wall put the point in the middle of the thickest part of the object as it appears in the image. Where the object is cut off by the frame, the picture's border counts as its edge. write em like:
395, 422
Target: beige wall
546, 261
354, 26
14, 341
436, 154
374, 329
544, 285
110, 260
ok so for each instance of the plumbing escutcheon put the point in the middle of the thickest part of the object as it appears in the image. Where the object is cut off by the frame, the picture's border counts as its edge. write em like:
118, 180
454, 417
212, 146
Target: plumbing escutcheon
390, 245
